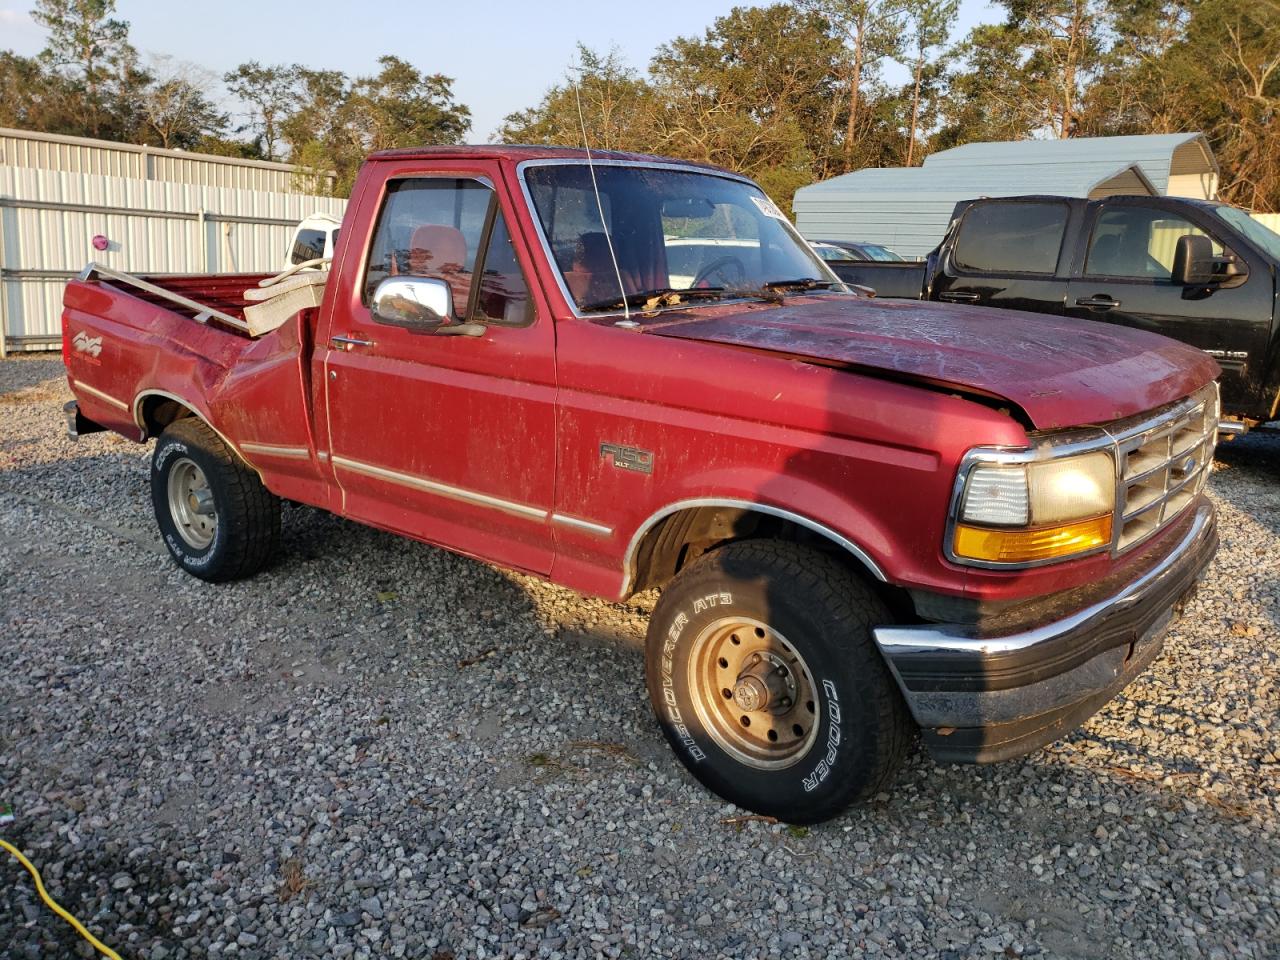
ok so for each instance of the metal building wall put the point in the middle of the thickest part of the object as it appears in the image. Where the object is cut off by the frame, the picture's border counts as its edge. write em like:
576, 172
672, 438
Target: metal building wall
908, 209
1270, 220
47, 151
48, 220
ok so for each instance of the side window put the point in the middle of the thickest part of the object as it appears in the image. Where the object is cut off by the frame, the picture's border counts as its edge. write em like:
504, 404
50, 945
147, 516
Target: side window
307, 245
1011, 237
1137, 243
430, 227
504, 295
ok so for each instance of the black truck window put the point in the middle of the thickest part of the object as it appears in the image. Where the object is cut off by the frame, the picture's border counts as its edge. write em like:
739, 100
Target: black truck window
1133, 242
1011, 237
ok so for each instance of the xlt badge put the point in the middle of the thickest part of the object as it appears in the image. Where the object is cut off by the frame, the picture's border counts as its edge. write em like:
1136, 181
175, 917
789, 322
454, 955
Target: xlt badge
627, 458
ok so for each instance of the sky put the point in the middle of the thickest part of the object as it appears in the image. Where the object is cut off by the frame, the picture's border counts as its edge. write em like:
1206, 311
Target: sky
501, 61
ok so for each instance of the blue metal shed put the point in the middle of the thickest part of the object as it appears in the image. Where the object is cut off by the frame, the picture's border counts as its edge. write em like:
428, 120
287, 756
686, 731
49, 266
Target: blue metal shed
908, 208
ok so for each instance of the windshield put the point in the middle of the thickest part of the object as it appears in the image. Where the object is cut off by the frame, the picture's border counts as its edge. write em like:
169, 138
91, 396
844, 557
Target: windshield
671, 231
833, 254
1261, 236
877, 252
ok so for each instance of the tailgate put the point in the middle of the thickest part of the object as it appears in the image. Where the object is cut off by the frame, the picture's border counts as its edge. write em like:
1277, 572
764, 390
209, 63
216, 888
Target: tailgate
899, 281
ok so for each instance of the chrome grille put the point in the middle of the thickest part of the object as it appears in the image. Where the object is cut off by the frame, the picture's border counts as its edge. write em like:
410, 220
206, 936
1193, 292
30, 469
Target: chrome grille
1163, 464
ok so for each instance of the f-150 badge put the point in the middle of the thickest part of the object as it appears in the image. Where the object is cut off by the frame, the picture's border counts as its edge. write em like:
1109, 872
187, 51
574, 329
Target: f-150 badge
627, 458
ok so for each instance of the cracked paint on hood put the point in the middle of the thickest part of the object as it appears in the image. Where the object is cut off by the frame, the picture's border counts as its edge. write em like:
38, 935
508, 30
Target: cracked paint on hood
1060, 371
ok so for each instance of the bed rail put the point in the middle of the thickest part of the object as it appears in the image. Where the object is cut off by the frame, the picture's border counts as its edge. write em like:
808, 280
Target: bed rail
203, 312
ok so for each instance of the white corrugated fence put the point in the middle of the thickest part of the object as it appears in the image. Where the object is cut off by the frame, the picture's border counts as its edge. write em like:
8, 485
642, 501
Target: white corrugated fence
48, 220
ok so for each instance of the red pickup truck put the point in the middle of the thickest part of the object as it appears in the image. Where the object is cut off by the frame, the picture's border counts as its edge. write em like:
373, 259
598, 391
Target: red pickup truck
866, 518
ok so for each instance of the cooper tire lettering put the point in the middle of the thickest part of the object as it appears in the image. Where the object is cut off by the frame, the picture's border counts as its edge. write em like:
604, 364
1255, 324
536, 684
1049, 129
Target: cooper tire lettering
732, 640
828, 761
702, 604
668, 690
163, 454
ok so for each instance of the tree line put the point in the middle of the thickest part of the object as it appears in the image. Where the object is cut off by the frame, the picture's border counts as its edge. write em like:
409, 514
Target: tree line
90, 81
787, 93
797, 92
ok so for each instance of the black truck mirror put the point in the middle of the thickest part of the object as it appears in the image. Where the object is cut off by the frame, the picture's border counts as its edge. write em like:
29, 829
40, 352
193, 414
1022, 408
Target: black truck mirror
1194, 264
1193, 261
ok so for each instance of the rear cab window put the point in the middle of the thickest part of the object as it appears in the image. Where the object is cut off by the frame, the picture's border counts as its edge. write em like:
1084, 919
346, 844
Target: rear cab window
1011, 237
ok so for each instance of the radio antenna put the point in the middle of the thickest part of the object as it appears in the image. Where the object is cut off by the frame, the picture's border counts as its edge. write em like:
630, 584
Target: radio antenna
617, 271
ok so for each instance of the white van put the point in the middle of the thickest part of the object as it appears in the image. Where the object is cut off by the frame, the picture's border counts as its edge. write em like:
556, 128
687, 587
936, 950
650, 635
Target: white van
313, 238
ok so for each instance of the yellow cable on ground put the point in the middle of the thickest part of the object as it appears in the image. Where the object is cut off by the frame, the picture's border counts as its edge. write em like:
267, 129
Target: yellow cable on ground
53, 904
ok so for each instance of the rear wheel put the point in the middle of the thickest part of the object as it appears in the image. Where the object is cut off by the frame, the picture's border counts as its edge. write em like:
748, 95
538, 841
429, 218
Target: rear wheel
215, 516
768, 685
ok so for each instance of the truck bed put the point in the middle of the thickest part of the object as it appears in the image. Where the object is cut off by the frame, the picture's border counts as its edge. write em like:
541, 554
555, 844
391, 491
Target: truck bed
900, 281
128, 338
222, 292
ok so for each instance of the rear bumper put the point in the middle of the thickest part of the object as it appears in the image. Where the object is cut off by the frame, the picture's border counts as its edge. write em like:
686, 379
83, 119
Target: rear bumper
980, 697
77, 423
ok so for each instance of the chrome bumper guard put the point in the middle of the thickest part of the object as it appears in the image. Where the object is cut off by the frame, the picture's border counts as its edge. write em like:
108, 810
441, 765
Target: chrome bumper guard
71, 410
77, 423
980, 699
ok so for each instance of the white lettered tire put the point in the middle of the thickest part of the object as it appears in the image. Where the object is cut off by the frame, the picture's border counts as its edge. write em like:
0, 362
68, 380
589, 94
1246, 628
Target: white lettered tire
767, 683
216, 518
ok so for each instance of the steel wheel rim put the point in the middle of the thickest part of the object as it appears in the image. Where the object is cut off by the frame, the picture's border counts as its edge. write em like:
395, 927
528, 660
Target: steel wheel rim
191, 504
735, 662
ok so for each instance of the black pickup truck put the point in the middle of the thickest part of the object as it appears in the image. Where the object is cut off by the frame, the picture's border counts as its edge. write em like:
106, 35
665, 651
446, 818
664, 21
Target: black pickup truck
1198, 271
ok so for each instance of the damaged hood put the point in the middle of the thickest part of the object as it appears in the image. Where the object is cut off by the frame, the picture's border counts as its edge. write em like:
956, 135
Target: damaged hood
1061, 372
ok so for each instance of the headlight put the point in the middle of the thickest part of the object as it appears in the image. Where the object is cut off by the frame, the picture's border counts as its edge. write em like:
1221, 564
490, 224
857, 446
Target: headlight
1035, 512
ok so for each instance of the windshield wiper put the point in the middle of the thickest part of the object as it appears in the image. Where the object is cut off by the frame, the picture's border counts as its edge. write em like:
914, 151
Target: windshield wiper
774, 290
801, 283
665, 297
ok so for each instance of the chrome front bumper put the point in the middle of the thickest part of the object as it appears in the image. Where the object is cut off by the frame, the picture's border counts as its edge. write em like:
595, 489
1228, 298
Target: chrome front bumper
983, 696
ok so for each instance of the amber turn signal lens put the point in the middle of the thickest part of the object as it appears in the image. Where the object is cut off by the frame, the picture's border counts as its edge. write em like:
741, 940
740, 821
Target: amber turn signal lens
1028, 546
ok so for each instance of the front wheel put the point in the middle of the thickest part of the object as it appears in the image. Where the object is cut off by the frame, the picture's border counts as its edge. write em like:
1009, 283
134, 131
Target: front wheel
215, 516
766, 681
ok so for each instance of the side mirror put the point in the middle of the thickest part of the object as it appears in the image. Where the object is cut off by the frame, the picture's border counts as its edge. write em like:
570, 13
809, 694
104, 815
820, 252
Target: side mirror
1194, 264
1193, 261
421, 304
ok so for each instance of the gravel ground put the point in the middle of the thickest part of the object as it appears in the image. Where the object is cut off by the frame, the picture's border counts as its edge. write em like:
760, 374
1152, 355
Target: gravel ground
379, 749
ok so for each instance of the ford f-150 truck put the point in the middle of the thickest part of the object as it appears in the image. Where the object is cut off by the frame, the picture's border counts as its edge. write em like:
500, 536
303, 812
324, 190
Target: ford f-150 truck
866, 518
1202, 272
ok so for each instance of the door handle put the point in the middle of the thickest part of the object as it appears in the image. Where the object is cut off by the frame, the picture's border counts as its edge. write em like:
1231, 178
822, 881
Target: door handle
959, 296
346, 343
1100, 302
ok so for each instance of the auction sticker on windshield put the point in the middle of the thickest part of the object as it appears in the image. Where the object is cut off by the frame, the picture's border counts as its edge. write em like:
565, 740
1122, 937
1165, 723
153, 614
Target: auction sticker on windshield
768, 208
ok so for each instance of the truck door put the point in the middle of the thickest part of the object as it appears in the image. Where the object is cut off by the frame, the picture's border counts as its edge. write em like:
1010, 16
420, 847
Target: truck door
1005, 254
1126, 279
449, 439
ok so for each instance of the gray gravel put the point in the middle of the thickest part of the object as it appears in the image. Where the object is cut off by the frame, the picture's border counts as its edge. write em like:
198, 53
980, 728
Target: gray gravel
379, 749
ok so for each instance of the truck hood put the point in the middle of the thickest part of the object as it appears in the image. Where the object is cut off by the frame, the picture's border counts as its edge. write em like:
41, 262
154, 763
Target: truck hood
1061, 372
